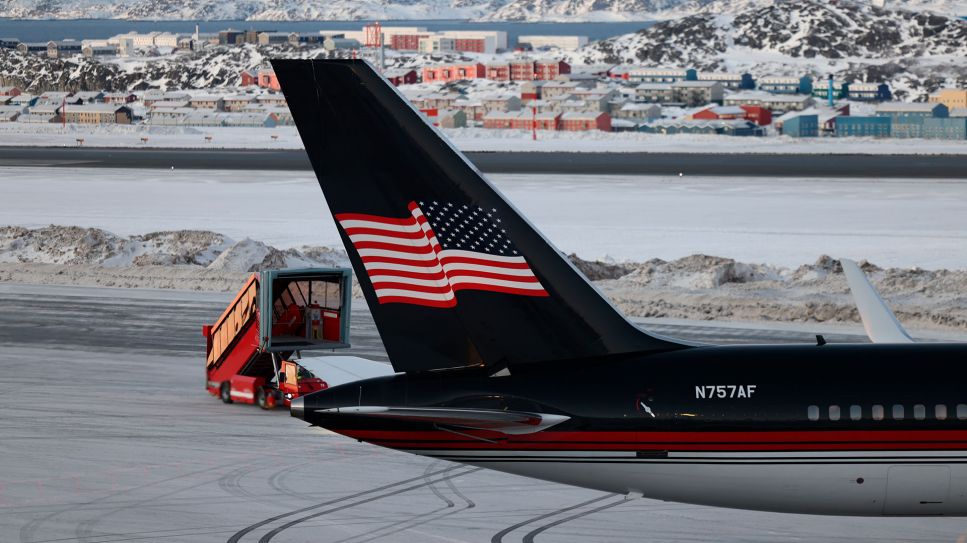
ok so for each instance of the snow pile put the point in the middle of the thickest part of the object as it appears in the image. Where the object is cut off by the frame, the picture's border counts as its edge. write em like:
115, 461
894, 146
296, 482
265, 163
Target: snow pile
698, 272
693, 287
71, 245
708, 287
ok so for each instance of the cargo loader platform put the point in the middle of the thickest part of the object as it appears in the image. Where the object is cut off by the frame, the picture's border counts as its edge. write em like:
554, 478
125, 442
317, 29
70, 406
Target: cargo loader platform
253, 348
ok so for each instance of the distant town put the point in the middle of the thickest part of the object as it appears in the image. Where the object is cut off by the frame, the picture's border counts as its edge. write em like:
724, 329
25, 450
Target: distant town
526, 86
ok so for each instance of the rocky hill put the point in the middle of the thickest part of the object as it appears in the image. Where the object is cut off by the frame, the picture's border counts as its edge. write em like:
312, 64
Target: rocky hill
215, 67
345, 10
917, 51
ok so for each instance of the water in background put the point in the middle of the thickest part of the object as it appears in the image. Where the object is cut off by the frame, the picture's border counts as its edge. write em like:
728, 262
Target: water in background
44, 30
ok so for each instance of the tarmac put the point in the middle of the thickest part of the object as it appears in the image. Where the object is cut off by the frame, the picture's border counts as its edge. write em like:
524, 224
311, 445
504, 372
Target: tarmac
107, 434
722, 165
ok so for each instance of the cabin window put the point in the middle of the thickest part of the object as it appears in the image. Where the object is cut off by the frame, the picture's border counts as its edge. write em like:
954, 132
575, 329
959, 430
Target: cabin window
834, 412
855, 412
877, 412
813, 412
961, 411
919, 412
940, 411
897, 412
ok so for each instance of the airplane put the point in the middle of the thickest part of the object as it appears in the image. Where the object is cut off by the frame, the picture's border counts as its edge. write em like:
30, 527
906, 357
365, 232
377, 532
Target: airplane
507, 357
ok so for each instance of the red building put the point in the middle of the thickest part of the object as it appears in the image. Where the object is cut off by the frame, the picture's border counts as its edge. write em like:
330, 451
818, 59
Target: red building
250, 78
406, 42
756, 114
575, 121
759, 115
522, 70
547, 70
527, 70
720, 113
498, 72
531, 90
453, 72
268, 80
547, 120
470, 45
9, 91
401, 76
263, 78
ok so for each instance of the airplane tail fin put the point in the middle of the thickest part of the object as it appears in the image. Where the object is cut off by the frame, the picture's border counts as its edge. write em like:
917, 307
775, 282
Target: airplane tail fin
454, 275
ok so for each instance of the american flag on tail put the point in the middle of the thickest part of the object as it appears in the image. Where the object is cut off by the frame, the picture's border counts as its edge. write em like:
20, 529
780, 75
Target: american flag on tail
440, 248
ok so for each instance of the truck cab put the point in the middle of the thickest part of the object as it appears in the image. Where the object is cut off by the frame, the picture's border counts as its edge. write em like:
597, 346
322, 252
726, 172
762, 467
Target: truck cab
295, 380
254, 347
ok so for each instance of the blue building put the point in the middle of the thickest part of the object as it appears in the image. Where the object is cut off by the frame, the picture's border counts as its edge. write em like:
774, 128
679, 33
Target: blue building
911, 112
921, 120
877, 127
951, 128
948, 128
801, 126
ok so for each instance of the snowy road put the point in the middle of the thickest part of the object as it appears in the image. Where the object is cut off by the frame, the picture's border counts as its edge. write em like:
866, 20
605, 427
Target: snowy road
669, 161
788, 221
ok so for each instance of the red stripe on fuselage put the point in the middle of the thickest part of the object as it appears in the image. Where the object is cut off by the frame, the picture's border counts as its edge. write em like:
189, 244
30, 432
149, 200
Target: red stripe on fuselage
819, 440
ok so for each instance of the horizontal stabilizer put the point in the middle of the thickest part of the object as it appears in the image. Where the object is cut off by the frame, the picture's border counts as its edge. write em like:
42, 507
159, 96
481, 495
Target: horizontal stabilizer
506, 422
339, 370
879, 321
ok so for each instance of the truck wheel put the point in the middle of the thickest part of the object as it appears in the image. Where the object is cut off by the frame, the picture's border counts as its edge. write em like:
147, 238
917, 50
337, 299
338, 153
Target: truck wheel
262, 399
225, 393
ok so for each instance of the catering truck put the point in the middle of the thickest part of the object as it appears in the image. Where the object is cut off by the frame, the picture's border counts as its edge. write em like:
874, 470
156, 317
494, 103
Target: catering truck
254, 347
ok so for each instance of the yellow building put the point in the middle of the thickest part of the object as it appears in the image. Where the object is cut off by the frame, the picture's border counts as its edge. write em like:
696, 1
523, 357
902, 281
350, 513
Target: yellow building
952, 98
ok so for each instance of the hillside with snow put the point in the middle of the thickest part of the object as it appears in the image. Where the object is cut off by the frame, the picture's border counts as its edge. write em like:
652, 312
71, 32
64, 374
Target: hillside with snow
346, 10
916, 52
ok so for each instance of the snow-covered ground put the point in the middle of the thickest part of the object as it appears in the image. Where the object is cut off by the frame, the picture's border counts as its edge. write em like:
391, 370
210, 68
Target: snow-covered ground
468, 139
775, 230
784, 222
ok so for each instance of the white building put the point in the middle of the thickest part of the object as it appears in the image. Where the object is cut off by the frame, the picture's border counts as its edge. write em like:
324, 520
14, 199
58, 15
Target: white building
785, 85
499, 37
437, 44
728, 80
387, 31
568, 43
144, 41
640, 74
775, 102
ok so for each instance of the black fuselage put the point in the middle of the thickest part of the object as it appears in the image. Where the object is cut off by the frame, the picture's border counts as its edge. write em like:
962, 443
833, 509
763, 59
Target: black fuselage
731, 388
